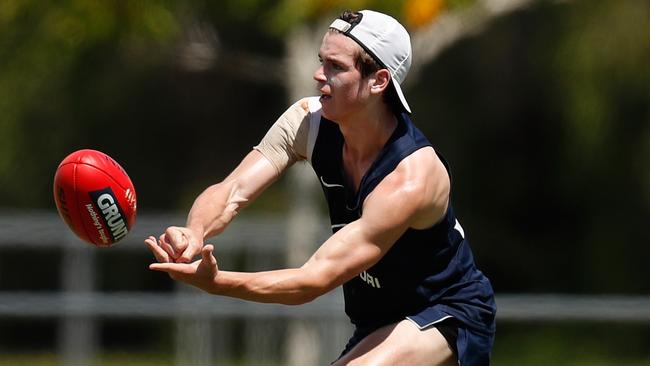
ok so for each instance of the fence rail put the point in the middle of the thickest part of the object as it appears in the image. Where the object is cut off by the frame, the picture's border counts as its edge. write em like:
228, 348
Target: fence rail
79, 304
39, 229
511, 308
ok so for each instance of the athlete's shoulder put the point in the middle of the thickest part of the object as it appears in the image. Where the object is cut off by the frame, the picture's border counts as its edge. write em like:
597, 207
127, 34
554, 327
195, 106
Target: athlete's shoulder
306, 105
312, 104
420, 181
418, 171
287, 140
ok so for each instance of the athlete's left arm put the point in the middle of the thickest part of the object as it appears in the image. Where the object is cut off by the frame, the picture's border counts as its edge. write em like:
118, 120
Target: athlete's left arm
414, 195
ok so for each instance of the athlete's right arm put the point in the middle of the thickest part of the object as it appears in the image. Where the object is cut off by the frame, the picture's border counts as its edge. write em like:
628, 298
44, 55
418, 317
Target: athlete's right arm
215, 207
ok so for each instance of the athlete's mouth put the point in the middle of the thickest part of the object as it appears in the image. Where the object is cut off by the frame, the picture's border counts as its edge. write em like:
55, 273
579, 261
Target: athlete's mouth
324, 91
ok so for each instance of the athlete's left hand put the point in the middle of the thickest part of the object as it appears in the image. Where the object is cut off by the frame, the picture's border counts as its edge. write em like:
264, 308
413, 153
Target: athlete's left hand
200, 273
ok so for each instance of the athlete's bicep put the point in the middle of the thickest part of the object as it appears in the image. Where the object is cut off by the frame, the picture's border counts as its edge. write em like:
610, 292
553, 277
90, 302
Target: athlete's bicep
403, 199
362, 243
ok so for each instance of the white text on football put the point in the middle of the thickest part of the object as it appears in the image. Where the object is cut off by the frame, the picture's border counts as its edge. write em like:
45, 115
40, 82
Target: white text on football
106, 203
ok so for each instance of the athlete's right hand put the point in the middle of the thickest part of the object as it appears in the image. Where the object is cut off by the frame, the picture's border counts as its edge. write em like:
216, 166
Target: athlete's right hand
181, 244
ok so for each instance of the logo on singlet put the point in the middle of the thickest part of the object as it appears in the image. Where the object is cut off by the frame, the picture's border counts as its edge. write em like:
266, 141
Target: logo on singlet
330, 185
372, 281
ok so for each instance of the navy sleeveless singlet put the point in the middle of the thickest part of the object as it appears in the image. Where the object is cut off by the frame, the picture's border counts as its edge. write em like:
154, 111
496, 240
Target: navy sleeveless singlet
428, 276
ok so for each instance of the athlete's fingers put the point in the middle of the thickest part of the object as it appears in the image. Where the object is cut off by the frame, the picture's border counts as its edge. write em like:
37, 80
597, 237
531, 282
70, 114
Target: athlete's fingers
162, 267
193, 244
166, 246
207, 258
186, 257
158, 252
176, 238
189, 253
173, 268
159, 267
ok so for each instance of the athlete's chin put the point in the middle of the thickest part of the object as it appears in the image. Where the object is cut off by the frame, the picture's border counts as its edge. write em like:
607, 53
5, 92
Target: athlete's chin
326, 110
325, 101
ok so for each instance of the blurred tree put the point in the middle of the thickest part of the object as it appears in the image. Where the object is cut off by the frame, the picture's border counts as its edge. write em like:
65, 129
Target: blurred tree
545, 114
546, 119
558, 95
69, 73
47, 48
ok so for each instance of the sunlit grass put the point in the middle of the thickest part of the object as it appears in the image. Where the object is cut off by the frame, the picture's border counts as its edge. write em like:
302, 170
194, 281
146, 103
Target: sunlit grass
543, 344
517, 344
108, 359
117, 359
543, 354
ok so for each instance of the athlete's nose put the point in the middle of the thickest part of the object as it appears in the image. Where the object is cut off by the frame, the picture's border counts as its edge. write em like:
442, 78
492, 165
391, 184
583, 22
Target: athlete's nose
319, 74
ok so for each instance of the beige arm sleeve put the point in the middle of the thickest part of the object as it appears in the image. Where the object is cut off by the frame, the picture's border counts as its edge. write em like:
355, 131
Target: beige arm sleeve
286, 141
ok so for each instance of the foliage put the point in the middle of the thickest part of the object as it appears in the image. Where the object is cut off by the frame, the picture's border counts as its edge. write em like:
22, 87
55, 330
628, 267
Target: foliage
44, 47
544, 116
414, 13
539, 344
64, 59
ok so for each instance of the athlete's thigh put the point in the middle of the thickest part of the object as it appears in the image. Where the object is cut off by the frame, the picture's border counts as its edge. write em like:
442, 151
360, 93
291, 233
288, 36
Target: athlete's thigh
401, 343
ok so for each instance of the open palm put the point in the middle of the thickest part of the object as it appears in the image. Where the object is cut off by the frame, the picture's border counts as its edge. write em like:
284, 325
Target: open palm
200, 273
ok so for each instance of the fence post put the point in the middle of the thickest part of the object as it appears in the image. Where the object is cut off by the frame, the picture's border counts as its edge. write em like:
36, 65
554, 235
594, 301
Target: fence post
303, 340
261, 341
193, 333
77, 333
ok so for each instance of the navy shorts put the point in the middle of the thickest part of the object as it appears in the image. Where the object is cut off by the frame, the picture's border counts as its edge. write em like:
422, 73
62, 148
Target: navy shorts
472, 348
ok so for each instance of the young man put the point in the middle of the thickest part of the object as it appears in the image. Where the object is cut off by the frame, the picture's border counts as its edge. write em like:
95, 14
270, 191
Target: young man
410, 284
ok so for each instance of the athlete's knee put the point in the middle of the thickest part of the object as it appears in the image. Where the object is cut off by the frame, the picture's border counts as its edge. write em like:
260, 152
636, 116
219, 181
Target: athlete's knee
401, 344
426, 347
409, 356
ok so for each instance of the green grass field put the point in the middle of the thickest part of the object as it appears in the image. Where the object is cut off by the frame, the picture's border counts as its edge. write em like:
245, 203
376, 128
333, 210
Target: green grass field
118, 359
528, 359
521, 344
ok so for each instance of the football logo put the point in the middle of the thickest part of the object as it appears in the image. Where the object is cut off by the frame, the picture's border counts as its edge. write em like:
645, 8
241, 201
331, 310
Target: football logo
111, 213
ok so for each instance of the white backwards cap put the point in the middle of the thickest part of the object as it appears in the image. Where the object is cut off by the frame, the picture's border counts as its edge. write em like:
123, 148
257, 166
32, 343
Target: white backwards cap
386, 40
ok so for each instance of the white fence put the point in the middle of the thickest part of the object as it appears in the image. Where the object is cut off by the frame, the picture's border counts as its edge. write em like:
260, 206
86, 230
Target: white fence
261, 240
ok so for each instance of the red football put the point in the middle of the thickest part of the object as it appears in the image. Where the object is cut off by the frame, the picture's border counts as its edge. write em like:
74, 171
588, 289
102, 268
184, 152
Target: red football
95, 197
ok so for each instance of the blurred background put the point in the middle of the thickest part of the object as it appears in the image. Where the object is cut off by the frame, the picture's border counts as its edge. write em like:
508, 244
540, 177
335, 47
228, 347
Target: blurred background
542, 108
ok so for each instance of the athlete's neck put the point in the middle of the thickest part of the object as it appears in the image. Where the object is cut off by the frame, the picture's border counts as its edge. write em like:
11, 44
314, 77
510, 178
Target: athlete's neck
367, 133
364, 137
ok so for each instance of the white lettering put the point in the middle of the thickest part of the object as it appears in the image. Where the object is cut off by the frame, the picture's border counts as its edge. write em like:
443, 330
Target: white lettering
115, 219
112, 216
105, 200
119, 231
110, 212
367, 278
370, 280
97, 224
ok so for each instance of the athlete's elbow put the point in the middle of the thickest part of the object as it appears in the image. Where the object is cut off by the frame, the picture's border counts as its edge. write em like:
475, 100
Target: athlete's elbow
304, 298
306, 295
299, 299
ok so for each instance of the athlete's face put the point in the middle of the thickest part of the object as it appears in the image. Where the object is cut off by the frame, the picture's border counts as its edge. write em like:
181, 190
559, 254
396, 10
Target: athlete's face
339, 82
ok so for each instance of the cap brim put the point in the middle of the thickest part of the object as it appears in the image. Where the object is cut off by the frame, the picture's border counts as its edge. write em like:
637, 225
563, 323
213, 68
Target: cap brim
400, 94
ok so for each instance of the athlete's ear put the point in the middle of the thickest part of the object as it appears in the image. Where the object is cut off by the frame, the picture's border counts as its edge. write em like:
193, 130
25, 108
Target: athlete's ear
380, 81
